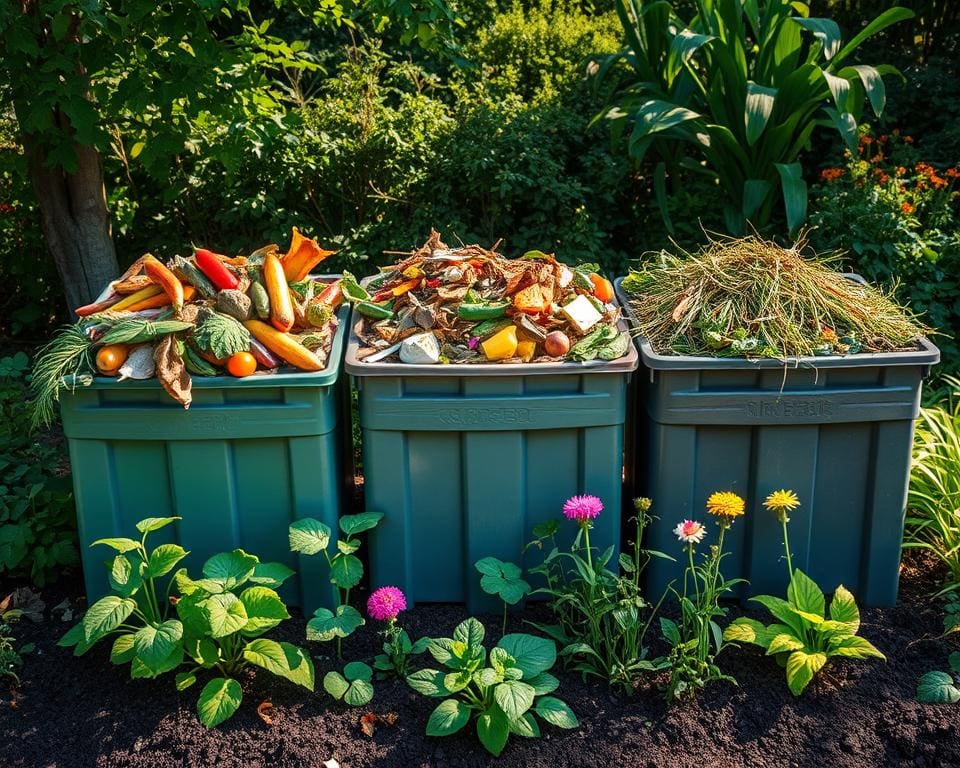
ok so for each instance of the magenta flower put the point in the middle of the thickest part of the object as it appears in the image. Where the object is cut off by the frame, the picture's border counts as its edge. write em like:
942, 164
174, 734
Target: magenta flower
582, 508
690, 532
473, 342
386, 603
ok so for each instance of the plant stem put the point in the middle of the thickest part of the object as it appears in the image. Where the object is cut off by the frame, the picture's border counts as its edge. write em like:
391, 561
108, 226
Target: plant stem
504, 630
786, 547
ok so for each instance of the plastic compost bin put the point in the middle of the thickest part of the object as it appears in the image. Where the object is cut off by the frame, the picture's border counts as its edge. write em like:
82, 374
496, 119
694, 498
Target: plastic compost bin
838, 430
246, 459
464, 460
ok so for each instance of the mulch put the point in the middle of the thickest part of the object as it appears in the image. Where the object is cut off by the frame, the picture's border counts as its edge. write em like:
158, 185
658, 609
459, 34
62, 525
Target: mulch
84, 712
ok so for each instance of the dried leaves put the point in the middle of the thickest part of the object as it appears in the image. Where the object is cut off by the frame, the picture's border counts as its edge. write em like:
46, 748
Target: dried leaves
172, 372
370, 720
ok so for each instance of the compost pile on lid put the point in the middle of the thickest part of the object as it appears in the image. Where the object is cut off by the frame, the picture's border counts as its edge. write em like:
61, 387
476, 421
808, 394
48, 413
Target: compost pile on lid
204, 315
748, 297
472, 305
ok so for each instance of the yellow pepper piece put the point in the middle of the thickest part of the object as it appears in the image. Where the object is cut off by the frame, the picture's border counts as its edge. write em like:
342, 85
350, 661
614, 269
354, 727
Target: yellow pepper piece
526, 350
502, 345
412, 272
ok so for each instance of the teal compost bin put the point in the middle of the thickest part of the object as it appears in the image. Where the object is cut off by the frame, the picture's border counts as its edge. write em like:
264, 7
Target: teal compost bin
836, 430
464, 460
249, 457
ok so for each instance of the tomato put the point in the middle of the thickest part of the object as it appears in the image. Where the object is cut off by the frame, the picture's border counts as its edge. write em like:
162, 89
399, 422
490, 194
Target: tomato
241, 364
110, 358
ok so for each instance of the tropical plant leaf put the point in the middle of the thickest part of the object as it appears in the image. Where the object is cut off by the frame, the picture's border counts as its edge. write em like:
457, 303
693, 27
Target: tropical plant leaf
218, 701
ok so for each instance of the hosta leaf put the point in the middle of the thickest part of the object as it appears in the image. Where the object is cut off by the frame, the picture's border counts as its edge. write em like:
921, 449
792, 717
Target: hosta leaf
531, 654
744, 630
556, 712
309, 536
449, 717
543, 683
271, 574
155, 644
218, 701
230, 568
804, 594
757, 110
493, 730
826, 31
264, 609
429, 682
526, 726
163, 559
470, 633
937, 688
283, 659
854, 648
514, 698
106, 615
225, 614
843, 608
781, 643
801, 667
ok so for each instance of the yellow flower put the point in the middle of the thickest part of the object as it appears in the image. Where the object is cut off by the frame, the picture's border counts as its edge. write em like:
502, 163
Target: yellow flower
725, 504
781, 502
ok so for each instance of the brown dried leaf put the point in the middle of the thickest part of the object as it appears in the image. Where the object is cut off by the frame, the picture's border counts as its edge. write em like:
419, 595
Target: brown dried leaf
132, 284
681, 308
171, 371
368, 724
264, 709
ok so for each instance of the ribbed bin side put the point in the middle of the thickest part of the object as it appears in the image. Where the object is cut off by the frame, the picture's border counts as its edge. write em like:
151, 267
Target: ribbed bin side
239, 466
463, 468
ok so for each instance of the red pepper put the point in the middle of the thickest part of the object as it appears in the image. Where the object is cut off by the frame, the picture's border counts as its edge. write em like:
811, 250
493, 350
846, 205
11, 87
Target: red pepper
332, 295
433, 282
209, 263
382, 296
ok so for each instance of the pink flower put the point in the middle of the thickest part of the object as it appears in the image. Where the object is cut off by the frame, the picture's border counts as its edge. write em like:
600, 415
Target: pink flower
386, 603
690, 532
581, 508
473, 342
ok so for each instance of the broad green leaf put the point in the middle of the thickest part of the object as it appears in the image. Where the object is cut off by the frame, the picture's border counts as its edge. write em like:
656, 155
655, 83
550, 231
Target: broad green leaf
429, 682
843, 608
140, 670
202, 650
937, 688
335, 684
804, 594
757, 110
854, 648
106, 615
470, 633
825, 30
511, 591
556, 712
532, 654
326, 625
309, 536
348, 546
225, 613
794, 190
359, 693
846, 124
543, 683
782, 643
491, 566
122, 651
271, 574
457, 681
264, 609
150, 524
351, 525
192, 610
669, 630
514, 698
283, 659
745, 630
218, 701
755, 191
230, 568
163, 559
124, 576
346, 571
493, 730
72, 636
500, 659
801, 667
155, 644
839, 90
485, 677
780, 609
449, 717
526, 726
119, 544
357, 670
184, 680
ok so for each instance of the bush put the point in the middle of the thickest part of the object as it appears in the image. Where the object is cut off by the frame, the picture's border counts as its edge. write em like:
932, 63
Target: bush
898, 220
37, 522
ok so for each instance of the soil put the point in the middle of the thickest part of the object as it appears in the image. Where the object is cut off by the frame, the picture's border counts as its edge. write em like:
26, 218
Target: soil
86, 712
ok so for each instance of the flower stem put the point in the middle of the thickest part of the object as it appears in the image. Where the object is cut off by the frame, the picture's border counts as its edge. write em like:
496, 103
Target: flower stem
786, 547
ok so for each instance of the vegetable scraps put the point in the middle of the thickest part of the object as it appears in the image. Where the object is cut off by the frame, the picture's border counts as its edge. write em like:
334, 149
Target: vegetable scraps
472, 305
201, 315
749, 297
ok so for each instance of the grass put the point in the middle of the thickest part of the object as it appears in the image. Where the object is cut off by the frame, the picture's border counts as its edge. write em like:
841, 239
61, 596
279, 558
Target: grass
751, 297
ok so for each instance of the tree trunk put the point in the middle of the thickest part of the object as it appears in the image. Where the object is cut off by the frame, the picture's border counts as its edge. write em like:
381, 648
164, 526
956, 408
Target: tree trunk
75, 221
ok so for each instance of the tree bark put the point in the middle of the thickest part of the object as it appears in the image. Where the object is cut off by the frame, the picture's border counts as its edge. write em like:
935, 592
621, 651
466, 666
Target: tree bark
75, 221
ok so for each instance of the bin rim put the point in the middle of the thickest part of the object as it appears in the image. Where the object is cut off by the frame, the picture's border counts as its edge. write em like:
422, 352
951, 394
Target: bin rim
625, 364
283, 378
928, 354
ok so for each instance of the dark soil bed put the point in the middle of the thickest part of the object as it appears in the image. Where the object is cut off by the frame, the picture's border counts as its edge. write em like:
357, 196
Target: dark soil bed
86, 712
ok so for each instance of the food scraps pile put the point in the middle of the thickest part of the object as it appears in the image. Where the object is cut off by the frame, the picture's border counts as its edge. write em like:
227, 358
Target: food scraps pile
472, 305
750, 297
197, 316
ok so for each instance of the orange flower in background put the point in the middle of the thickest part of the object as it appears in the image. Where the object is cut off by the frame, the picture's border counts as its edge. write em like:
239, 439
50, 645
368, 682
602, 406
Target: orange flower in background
952, 173
881, 175
831, 174
866, 141
901, 171
907, 208
877, 157
908, 139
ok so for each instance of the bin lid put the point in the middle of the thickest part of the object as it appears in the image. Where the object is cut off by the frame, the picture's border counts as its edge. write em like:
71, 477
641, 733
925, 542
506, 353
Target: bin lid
356, 367
927, 355
287, 378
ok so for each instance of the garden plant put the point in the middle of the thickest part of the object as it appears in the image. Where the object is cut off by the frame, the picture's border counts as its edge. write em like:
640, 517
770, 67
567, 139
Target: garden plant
386, 604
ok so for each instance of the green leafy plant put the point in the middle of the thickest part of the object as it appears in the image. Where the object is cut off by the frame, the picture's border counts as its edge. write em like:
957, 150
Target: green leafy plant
311, 537
37, 520
698, 639
742, 84
803, 639
941, 687
354, 686
11, 657
503, 692
601, 616
933, 519
505, 580
385, 604
219, 625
